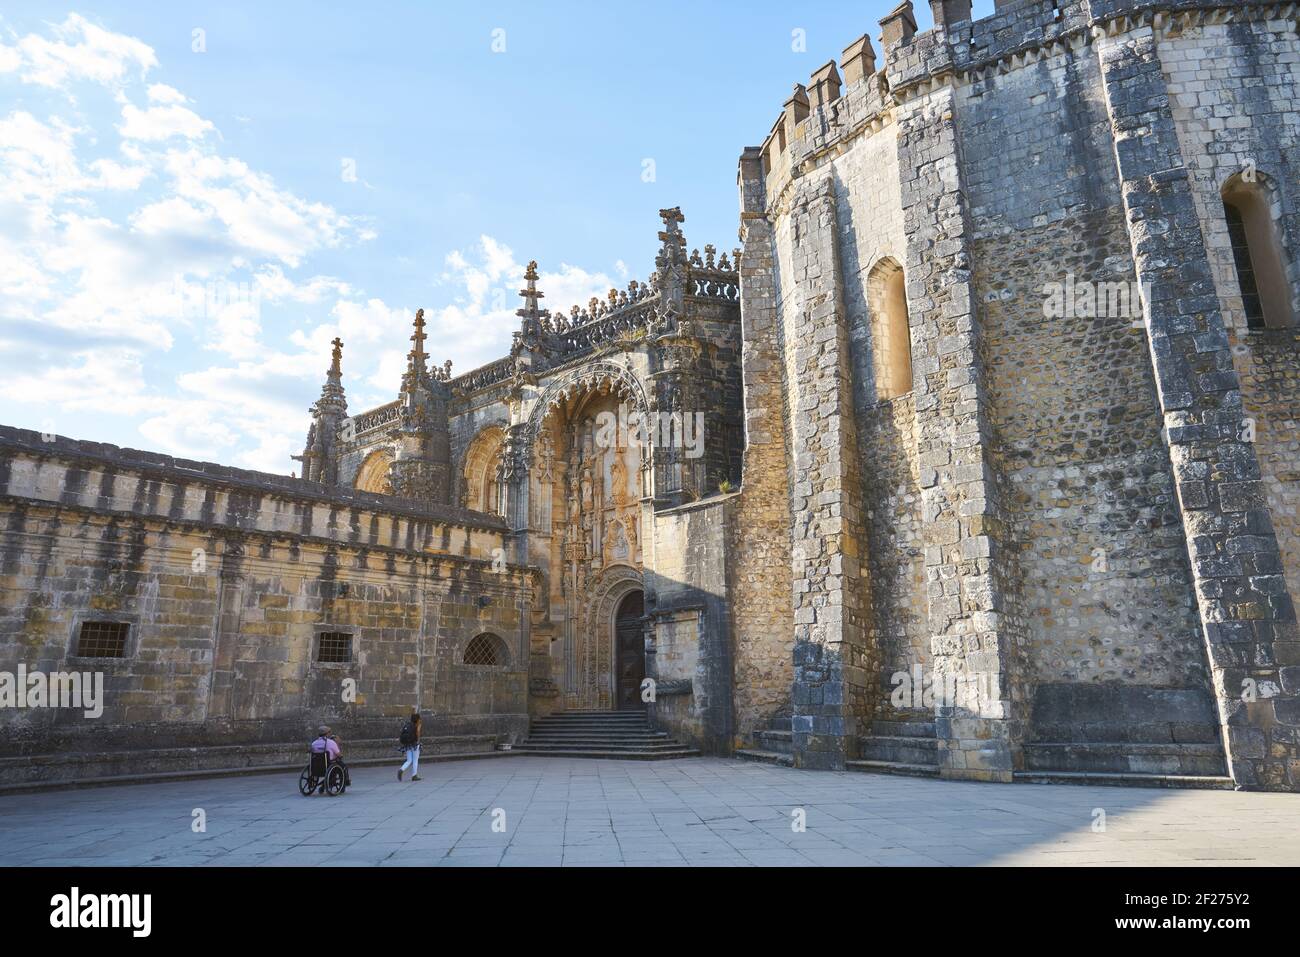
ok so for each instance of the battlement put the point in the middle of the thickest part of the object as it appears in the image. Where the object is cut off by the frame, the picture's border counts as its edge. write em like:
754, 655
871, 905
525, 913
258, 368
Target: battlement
860, 93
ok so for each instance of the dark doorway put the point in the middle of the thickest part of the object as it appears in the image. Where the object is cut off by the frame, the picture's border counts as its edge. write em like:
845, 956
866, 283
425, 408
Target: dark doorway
629, 653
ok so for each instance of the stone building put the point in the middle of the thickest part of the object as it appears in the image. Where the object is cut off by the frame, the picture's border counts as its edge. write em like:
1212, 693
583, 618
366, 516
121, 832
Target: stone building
979, 458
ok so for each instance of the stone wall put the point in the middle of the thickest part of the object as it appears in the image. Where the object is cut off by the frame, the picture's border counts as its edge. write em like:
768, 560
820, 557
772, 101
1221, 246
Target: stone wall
1096, 530
689, 627
226, 578
759, 541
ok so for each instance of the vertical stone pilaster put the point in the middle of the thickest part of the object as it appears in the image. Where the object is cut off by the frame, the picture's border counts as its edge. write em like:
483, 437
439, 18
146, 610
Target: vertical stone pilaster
760, 537
967, 579
834, 666
1247, 615
225, 643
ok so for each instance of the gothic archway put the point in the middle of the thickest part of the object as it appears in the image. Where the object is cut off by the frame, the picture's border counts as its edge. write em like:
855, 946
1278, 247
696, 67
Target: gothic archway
629, 652
480, 475
597, 651
373, 476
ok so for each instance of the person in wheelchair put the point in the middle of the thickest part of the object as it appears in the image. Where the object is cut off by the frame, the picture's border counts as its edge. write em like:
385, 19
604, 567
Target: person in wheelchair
328, 744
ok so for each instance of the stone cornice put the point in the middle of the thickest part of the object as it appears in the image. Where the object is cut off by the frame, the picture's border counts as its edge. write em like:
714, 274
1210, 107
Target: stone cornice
152, 465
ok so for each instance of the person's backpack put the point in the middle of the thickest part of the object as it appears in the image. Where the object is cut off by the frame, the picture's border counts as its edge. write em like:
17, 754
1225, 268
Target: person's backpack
407, 736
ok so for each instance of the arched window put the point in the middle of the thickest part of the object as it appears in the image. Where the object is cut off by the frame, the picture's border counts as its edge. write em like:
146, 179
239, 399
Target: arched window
482, 464
486, 651
373, 474
890, 334
1257, 253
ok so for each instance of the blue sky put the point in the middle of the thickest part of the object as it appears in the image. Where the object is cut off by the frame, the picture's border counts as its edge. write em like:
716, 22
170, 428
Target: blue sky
182, 230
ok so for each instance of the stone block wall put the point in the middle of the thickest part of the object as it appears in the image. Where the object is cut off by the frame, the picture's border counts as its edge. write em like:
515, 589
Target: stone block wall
759, 541
689, 626
226, 578
1093, 527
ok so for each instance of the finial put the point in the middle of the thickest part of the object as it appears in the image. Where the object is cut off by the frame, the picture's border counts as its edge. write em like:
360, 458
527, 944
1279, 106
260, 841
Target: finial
337, 356
530, 295
418, 336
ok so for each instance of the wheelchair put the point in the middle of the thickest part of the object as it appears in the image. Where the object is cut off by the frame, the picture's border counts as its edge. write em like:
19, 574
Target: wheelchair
322, 775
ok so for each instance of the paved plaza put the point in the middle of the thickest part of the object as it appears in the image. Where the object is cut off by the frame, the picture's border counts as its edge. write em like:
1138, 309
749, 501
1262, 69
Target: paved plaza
558, 811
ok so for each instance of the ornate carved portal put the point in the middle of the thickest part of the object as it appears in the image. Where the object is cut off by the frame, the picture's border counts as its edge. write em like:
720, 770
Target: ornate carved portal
587, 480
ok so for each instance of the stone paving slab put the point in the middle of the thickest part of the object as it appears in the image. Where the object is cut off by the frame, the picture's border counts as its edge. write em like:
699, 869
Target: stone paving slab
702, 811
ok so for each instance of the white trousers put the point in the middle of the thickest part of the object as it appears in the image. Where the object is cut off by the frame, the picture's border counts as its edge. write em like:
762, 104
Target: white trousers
412, 760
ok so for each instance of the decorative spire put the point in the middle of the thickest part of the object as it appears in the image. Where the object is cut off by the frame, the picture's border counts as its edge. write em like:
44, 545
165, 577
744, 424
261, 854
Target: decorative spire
417, 354
335, 368
673, 249
530, 295
417, 371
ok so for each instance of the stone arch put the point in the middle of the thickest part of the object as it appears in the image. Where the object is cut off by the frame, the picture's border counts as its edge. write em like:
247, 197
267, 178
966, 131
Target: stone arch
612, 585
373, 475
480, 473
595, 376
891, 337
1252, 210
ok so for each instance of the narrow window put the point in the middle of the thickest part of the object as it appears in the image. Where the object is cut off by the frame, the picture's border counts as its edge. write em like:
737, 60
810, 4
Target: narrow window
102, 639
890, 334
1245, 271
334, 647
1257, 253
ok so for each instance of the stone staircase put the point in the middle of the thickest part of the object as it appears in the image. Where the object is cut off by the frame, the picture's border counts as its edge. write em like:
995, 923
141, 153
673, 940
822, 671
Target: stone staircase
906, 745
621, 735
772, 745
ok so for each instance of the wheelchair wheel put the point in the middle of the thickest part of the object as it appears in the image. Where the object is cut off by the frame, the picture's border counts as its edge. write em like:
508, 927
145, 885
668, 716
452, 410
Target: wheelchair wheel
306, 784
334, 781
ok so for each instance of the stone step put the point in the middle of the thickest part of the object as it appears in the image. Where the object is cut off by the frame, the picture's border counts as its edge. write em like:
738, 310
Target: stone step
650, 737
765, 757
600, 745
894, 767
905, 728
1122, 757
780, 742
1197, 781
899, 750
591, 726
680, 752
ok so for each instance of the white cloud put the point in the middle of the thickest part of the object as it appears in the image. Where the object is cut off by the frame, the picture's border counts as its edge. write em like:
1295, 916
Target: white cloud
90, 381
133, 253
162, 93
258, 216
162, 122
477, 326
82, 51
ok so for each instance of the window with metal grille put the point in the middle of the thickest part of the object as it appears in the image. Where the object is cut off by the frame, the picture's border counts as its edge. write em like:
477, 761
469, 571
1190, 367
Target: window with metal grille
486, 650
334, 647
102, 639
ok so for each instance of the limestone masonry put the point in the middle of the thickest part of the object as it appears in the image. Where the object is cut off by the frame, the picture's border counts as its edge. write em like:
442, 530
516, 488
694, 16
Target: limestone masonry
979, 458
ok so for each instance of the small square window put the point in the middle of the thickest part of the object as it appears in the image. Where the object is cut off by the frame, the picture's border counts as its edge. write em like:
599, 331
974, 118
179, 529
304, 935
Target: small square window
334, 647
102, 639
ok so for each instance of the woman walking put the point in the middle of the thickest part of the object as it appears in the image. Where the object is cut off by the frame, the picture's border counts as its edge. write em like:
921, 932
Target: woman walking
410, 740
